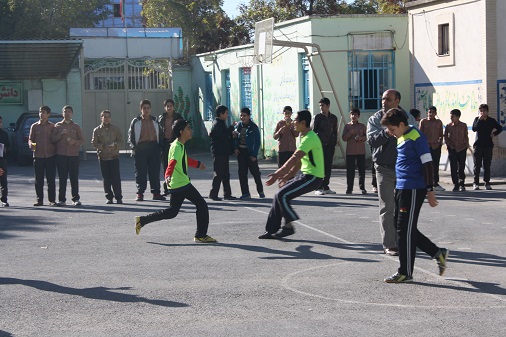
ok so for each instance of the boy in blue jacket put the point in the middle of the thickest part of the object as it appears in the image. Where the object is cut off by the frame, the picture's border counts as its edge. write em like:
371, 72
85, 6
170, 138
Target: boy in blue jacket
247, 145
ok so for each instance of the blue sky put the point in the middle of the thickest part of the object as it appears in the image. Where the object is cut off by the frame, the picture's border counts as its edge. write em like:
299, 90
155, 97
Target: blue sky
230, 6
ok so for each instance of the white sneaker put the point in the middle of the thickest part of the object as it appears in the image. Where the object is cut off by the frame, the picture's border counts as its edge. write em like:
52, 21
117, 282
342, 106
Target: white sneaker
439, 188
329, 191
319, 192
476, 187
76, 203
374, 190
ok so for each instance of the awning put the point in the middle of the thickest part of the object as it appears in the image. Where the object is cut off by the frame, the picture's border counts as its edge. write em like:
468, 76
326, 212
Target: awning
37, 59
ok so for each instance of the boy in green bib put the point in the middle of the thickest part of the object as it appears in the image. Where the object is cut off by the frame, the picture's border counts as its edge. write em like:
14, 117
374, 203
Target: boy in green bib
177, 179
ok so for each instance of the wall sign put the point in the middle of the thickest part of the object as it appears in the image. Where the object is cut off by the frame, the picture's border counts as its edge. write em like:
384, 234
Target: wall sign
11, 93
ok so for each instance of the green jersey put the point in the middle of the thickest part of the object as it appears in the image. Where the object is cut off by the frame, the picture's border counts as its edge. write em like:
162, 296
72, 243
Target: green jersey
312, 162
180, 177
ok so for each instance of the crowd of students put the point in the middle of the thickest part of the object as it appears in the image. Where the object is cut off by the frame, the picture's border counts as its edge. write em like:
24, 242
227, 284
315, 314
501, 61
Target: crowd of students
406, 151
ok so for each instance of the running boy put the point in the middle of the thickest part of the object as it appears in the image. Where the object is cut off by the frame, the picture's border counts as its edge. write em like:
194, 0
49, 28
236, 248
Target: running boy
309, 158
178, 181
457, 142
414, 173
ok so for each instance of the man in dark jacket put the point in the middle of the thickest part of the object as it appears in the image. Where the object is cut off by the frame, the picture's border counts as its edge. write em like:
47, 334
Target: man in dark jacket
247, 145
325, 126
220, 149
486, 128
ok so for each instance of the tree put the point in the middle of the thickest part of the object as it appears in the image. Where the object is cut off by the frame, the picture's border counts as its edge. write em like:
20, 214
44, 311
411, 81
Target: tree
48, 19
392, 6
202, 22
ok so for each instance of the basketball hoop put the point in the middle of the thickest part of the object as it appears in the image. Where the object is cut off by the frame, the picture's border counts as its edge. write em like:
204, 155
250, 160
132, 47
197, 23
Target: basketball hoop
263, 41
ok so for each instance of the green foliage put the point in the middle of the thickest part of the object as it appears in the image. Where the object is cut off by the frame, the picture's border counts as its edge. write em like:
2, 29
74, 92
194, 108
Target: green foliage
48, 19
182, 104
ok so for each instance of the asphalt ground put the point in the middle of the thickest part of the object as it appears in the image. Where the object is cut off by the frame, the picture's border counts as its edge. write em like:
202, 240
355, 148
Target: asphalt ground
82, 271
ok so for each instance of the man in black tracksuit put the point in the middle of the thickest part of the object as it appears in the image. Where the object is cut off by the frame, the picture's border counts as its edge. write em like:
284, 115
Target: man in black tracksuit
220, 149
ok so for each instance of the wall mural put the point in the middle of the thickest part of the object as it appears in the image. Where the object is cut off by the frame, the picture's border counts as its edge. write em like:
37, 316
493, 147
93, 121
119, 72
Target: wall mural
465, 96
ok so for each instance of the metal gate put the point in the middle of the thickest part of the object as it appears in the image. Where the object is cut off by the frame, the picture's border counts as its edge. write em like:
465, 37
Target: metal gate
119, 86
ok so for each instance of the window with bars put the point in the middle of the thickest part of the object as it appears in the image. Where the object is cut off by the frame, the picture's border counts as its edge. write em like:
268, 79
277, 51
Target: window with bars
304, 63
370, 74
246, 101
444, 39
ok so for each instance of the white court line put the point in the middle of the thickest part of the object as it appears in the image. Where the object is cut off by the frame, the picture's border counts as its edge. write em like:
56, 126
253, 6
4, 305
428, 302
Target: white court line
455, 281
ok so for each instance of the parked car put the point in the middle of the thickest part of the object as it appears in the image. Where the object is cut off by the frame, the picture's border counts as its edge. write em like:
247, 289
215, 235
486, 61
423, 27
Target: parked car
20, 133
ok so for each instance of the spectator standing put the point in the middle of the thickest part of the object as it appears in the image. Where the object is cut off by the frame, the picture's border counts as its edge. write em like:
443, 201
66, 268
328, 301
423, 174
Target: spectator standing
165, 121
457, 141
325, 126
414, 182
286, 136
486, 128
416, 115
220, 149
432, 128
107, 139
144, 139
44, 156
68, 138
354, 134
384, 156
247, 145
181, 187
4, 145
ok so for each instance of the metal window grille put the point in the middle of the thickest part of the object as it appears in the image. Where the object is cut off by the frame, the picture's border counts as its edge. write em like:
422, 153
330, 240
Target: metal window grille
370, 74
209, 97
304, 63
246, 101
444, 39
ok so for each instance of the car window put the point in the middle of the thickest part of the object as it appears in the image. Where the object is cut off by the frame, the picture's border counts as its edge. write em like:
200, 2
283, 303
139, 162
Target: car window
27, 124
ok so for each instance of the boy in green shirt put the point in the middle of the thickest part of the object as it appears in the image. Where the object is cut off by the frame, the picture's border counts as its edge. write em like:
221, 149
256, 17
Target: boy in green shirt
309, 158
177, 179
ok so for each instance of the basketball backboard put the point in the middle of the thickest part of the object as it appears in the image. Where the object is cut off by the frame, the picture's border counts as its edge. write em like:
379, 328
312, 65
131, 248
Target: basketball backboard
263, 41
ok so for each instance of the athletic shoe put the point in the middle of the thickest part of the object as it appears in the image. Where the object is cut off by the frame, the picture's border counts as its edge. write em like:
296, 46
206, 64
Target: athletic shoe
319, 192
140, 197
329, 191
399, 278
349, 192
267, 235
364, 192
462, 188
138, 225
439, 188
76, 203
61, 203
488, 187
394, 251
120, 201
456, 189
38, 203
108, 202
476, 187
159, 197
5, 204
285, 231
261, 195
205, 239
52, 204
245, 196
230, 197
215, 198
442, 259
374, 190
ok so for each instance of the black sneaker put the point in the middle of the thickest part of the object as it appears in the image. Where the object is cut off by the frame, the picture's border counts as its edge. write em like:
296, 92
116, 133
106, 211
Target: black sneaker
159, 197
214, 198
230, 197
119, 201
109, 201
456, 188
285, 231
267, 235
